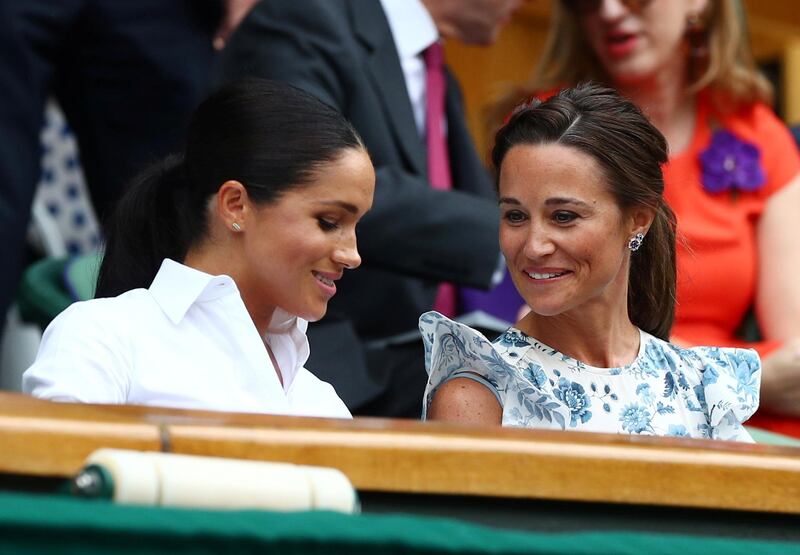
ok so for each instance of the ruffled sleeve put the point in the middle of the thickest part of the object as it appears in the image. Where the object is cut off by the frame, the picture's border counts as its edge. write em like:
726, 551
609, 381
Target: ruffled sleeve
730, 384
451, 347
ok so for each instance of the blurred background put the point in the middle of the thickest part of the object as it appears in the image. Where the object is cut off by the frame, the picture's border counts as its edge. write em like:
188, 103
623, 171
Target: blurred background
486, 73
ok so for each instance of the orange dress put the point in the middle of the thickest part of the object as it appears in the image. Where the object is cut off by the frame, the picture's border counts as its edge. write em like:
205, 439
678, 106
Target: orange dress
717, 258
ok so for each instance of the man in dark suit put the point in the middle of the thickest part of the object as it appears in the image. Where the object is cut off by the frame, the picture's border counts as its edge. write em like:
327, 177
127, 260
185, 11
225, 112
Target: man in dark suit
415, 236
126, 73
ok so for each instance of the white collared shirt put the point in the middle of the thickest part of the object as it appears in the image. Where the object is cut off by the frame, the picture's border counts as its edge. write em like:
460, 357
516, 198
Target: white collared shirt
413, 31
186, 342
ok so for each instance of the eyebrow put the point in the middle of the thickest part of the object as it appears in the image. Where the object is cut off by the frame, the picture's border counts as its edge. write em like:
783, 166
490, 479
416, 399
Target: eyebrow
341, 204
555, 201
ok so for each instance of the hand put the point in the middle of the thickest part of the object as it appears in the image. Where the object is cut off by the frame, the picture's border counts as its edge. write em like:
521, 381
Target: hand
780, 380
234, 11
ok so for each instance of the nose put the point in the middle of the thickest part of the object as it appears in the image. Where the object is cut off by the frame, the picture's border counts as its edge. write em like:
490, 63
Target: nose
538, 244
612, 9
346, 253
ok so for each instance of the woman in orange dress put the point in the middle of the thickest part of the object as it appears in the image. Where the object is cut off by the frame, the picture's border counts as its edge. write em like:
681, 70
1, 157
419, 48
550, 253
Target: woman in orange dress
732, 177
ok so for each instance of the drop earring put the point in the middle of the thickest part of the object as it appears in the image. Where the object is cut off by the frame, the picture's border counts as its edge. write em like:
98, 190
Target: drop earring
636, 242
697, 37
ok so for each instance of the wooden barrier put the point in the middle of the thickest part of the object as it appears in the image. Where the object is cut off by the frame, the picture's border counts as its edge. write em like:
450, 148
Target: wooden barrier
52, 439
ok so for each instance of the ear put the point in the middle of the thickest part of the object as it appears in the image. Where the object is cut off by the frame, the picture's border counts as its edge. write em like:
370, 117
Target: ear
232, 205
640, 218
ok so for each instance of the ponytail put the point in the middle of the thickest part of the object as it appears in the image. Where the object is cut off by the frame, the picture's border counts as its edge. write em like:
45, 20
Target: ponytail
148, 225
652, 277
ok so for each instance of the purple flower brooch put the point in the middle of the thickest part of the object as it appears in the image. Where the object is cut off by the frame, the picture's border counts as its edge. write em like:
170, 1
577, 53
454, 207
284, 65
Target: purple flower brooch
731, 164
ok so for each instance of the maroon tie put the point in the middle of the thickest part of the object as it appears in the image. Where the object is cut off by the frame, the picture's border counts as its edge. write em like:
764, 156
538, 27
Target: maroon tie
438, 159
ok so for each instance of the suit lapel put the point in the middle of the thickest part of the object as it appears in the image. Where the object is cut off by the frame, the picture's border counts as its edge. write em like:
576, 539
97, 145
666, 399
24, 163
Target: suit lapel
383, 68
469, 172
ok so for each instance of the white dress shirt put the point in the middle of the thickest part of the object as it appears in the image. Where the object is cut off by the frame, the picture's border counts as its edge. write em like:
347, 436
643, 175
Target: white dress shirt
186, 342
413, 30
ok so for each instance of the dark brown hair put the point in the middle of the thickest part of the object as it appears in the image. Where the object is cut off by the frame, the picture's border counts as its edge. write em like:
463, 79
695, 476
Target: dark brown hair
267, 135
630, 150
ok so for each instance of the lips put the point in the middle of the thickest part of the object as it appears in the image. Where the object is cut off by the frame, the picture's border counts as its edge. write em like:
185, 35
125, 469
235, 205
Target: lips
620, 43
327, 280
545, 275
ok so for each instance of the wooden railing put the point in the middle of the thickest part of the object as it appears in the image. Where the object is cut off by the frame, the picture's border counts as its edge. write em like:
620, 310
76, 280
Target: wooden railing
40, 438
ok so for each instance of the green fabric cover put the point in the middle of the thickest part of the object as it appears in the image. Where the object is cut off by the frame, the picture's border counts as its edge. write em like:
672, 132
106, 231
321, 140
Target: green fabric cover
50, 285
41, 294
771, 438
63, 525
80, 275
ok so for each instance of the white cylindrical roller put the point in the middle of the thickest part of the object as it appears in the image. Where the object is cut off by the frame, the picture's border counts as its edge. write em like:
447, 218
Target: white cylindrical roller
233, 484
149, 478
136, 478
331, 490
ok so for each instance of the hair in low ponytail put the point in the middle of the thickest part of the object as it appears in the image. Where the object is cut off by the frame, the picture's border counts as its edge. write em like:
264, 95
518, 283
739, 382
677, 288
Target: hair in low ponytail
631, 152
269, 136
144, 229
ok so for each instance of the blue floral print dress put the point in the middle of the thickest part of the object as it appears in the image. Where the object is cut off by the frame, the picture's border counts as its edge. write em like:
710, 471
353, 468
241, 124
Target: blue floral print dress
702, 392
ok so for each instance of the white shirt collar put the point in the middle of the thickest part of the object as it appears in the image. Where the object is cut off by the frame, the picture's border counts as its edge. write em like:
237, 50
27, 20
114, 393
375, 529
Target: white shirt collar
413, 28
177, 287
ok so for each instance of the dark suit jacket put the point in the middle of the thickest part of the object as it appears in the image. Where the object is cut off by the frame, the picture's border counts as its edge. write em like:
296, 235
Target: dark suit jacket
414, 237
127, 76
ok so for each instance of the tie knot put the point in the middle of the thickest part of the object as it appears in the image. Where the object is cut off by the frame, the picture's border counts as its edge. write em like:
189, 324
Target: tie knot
434, 55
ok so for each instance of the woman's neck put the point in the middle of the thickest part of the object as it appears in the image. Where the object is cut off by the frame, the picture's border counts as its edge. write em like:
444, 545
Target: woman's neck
663, 98
211, 261
598, 332
603, 345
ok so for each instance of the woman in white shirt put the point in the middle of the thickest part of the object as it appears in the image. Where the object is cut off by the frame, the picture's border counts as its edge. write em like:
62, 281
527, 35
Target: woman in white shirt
215, 260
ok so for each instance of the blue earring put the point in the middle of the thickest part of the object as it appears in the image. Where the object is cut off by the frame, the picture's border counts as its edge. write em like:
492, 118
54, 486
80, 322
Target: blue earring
636, 242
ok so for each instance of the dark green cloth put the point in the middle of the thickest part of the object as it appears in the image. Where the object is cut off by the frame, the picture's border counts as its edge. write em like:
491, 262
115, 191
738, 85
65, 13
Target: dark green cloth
63, 525
41, 294
50, 285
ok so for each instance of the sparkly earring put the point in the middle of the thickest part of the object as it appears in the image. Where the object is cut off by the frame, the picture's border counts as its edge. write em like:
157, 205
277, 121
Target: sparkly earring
636, 242
697, 36
236, 226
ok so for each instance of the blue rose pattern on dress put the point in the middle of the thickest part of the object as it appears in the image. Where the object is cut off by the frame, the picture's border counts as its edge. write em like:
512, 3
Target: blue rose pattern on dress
574, 397
677, 430
636, 419
702, 392
534, 374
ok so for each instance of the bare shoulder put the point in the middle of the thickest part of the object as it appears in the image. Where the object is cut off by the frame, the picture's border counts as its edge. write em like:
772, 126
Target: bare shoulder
465, 400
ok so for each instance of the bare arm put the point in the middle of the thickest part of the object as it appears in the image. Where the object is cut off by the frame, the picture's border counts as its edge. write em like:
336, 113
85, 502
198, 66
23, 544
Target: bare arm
778, 294
778, 298
465, 400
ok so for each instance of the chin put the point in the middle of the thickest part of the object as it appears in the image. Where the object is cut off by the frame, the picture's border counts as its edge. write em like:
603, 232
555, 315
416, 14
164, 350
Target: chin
314, 315
629, 74
548, 308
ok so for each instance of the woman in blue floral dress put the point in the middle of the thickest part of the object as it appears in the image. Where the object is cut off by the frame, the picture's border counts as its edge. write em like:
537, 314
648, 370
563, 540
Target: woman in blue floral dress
590, 245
